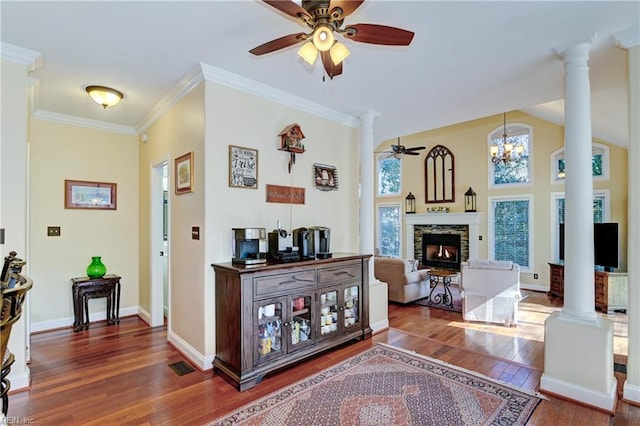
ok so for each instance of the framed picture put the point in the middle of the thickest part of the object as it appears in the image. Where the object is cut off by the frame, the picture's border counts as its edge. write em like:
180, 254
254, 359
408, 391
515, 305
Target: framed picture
81, 194
243, 167
184, 173
325, 178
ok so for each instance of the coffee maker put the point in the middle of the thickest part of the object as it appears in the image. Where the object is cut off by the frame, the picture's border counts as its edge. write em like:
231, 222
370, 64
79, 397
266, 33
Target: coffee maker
281, 247
302, 240
249, 246
320, 242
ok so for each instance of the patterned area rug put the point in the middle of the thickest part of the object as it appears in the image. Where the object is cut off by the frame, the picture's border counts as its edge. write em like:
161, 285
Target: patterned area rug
389, 386
439, 302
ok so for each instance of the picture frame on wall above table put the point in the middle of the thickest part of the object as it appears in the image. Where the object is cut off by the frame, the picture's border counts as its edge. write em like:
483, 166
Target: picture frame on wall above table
325, 178
243, 167
183, 169
82, 194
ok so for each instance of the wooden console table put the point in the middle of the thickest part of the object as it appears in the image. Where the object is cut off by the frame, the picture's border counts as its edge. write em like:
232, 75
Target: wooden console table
85, 288
273, 315
611, 288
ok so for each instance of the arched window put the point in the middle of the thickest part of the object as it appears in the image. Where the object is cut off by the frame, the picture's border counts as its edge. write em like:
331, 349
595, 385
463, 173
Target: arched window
389, 175
599, 163
510, 167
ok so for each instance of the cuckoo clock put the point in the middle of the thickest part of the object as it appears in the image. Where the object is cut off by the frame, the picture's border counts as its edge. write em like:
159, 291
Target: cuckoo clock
290, 141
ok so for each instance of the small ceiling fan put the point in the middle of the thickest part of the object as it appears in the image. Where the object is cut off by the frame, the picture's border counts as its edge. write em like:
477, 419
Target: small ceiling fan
398, 150
325, 18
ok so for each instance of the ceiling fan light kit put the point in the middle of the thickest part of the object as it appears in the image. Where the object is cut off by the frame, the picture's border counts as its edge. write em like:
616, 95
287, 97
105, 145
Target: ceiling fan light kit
325, 18
104, 96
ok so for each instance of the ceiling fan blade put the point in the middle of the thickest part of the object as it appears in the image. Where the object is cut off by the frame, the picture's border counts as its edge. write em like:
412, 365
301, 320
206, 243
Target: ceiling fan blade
288, 7
347, 6
279, 43
416, 148
331, 69
378, 34
411, 153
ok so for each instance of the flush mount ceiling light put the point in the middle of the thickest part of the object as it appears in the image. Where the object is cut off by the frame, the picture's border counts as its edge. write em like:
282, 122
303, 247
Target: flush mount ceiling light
104, 96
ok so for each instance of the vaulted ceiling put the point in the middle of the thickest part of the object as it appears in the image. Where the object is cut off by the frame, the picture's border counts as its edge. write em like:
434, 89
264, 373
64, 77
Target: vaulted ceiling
467, 60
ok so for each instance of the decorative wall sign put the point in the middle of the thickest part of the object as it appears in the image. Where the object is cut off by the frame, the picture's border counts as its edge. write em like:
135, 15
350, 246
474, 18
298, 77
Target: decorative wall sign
284, 194
243, 167
80, 194
183, 168
325, 178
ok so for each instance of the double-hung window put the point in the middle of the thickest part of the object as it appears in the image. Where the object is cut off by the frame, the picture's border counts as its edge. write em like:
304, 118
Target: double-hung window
389, 214
511, 229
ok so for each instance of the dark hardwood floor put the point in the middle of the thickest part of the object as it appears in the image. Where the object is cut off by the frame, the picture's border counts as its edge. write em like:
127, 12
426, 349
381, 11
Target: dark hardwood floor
119, 375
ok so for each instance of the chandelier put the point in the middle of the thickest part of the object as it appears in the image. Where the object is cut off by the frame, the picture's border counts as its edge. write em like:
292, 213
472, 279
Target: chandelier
506, 152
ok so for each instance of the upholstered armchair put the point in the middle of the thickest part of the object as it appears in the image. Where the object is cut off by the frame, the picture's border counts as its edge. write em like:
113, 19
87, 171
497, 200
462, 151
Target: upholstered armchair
490, 291
406, 282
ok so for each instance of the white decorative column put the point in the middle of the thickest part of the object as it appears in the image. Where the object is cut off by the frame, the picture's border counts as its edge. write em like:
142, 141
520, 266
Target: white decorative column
578, 359
378, 291
631, 41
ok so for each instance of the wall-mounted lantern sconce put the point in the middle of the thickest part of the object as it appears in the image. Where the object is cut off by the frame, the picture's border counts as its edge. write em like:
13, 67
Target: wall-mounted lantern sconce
410, 204
470, 200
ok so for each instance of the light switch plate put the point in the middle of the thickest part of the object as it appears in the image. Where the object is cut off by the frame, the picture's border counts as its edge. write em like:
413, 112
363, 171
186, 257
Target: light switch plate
195, 232
53, 231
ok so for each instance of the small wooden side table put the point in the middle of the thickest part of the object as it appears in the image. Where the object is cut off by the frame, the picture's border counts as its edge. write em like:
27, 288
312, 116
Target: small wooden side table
85, 288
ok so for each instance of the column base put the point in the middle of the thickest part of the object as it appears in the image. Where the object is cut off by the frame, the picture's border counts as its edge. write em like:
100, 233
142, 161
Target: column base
631, 393
578, 361
378, 306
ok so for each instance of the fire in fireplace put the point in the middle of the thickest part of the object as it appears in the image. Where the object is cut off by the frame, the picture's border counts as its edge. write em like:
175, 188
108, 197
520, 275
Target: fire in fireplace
441, 250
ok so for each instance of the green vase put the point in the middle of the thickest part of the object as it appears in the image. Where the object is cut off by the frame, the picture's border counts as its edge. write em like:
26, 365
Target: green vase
96, 269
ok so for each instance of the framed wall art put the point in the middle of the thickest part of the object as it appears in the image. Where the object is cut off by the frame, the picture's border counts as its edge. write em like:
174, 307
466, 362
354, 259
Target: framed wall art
183, 168
81, 194
325, 178
243, 167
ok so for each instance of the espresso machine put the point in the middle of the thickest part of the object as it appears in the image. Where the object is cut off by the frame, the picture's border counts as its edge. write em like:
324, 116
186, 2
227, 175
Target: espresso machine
302, 240
281, 248
249, 246
320, 242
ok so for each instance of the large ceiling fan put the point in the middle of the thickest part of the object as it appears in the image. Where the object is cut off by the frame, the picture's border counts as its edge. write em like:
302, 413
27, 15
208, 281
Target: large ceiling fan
398, 150
325, 18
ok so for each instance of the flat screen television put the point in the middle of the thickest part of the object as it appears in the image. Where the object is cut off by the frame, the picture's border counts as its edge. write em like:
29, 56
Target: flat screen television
605, 245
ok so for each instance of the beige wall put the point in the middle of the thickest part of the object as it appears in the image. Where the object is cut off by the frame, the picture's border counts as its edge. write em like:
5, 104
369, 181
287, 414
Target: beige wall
468, 142
239, 118
60, 152
14, 190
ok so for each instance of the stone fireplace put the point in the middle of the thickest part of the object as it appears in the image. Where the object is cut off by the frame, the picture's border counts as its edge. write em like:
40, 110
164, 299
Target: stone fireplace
453, 231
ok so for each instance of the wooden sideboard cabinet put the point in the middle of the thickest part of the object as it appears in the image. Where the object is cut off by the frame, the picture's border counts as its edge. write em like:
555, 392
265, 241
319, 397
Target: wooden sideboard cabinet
611, 288
272, 315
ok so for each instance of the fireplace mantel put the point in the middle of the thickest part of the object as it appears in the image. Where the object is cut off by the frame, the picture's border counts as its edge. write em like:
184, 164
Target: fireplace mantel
472, 220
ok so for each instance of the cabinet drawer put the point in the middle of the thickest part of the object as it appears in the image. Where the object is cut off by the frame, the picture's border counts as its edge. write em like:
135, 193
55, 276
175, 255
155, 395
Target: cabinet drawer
284, 282
346, 272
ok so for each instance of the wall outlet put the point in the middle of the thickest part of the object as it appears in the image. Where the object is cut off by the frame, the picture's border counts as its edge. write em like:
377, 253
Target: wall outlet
535, 276
195, 232
53, 231
480, 237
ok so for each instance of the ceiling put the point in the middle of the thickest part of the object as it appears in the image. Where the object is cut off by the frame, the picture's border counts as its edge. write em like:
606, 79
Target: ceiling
468, 60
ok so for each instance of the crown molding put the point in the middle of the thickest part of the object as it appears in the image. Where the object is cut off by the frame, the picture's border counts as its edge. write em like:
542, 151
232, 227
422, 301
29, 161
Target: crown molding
83, 122
184, 86
628, 38
253, 87
20, 55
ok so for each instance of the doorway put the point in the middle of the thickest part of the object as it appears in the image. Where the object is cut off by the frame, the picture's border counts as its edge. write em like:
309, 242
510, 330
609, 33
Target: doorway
159, 245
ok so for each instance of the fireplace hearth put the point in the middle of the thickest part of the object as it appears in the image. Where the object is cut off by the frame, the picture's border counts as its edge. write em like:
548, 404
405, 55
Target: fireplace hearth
441, 250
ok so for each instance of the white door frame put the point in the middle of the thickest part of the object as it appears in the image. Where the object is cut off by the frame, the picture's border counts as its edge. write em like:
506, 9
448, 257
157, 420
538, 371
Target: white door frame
156, 207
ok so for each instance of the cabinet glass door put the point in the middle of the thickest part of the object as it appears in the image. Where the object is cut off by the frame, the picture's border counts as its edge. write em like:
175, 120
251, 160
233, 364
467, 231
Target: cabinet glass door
351, 305
328, 313
268, 330
301, 321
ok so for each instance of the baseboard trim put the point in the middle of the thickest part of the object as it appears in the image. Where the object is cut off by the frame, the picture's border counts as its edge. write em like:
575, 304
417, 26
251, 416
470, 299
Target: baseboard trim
379, 326
570, 391
631, 393
202, 362
37, 327
20, 381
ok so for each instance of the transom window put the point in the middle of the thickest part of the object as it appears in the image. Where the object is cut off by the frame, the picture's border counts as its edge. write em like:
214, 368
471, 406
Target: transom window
389, 176
599, 163
517, 171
